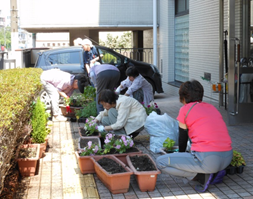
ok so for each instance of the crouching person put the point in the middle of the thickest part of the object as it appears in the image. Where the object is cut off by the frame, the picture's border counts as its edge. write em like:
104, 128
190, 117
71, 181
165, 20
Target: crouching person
122, 114
211, 150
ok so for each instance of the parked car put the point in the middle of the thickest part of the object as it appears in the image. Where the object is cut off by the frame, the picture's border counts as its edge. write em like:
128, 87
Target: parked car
70, 59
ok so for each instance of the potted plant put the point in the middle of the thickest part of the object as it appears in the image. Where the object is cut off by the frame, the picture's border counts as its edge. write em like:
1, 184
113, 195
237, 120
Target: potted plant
119, 146
168, 146
153, 107
83, 141
113, 173
27, 159
78, 101
145, 171
39, 122
237, 162
84, 155
90, 128
88, 109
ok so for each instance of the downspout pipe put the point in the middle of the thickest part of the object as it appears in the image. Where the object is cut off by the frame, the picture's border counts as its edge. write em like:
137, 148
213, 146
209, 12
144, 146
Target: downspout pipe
155, 32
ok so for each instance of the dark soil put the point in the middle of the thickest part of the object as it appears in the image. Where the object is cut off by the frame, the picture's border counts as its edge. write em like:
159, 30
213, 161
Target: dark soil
170, 151
84, 133
111, 166
142, 163
84, 142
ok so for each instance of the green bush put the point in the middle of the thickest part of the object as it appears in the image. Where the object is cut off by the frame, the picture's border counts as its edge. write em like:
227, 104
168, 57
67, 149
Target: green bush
18, 89
39, 121
89, 109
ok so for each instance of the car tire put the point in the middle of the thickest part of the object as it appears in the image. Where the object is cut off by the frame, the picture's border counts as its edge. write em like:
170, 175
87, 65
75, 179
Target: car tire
152, 84
44, 97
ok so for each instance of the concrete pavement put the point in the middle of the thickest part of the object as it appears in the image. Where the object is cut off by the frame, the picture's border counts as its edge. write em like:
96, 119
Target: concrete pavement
59, 176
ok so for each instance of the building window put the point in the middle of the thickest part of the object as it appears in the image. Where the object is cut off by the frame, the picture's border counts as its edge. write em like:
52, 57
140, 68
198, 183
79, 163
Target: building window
53, 44
181, 7
182, 40
59, 44
48, 44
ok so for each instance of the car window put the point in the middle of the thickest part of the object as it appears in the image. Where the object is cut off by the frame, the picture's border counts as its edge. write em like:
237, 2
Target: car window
64, 58
109, 57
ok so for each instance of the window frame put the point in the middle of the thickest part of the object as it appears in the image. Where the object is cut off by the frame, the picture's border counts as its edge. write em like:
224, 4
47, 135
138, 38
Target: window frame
186, 10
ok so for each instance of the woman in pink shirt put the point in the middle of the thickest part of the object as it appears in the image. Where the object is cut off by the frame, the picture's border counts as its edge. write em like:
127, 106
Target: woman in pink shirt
211, 150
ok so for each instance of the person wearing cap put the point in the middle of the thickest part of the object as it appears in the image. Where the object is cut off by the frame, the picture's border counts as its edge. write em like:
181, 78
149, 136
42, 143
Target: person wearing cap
59, 83
90, 55
77, 41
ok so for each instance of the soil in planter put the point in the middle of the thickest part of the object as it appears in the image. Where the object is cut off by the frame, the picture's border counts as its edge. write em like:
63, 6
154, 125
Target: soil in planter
111, 166
84, 142
84, 133
171, 151
142, 163
27, 152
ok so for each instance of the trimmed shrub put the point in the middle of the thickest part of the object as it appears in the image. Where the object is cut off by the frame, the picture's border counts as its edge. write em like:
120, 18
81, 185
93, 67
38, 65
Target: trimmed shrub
18, 89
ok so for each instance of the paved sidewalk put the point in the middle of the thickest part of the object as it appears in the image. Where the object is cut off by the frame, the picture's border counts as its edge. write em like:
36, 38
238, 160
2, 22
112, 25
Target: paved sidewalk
59, 176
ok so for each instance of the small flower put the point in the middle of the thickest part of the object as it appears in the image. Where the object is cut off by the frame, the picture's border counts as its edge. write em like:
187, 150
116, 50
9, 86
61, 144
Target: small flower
156, 106
95, 149
107, 140
131, 143
118, 147
89, 144
86, 121
148, 106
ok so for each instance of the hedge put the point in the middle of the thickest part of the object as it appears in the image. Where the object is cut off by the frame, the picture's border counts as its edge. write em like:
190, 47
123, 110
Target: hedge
18, 90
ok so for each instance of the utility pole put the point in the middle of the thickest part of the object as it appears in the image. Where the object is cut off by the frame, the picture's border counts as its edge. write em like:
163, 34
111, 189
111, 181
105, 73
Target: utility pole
14, 25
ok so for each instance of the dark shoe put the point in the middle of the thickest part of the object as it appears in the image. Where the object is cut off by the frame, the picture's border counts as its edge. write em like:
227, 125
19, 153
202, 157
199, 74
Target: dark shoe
205, 181
218, 177
134, 134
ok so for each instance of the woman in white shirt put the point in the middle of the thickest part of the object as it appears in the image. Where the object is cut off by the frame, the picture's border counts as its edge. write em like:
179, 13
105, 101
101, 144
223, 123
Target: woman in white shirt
138, 87
122, 114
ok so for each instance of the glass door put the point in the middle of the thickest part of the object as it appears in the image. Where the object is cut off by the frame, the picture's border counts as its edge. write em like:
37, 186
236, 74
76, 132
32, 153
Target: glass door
240, 70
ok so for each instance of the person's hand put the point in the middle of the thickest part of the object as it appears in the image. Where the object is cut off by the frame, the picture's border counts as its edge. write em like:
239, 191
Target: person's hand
101, 55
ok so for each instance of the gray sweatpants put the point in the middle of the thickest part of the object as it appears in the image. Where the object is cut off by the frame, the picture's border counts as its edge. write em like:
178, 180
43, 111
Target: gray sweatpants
54, 96
188, 165
111, 119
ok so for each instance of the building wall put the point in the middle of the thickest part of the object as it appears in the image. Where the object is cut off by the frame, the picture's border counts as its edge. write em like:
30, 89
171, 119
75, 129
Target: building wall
203, 41
81, 13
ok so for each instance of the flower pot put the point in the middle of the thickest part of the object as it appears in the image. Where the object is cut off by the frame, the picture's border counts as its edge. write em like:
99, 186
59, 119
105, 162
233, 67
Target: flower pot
117, 182
239, 169
27, 166
165, 151
231, 170
83, 134
72, 113
85, 163
83, 141
146, 179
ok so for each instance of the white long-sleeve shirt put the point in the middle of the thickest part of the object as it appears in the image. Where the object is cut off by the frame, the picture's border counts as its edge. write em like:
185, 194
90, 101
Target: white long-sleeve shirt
139, 82
131, 114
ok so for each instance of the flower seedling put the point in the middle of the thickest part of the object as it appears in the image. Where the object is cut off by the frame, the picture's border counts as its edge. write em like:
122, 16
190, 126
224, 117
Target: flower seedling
90, 125
90, 150
109, 141
237, 159
150, 108
124, 143
168, 144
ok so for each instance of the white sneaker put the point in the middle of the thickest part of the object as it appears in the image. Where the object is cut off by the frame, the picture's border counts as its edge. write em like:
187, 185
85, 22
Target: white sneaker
59, 118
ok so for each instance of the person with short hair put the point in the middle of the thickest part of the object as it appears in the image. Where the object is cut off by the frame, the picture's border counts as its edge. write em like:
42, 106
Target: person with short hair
137, 86
59, 83
122, 114
211, 151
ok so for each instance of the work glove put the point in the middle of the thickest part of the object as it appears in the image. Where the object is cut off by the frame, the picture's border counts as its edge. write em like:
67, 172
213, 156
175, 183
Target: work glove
101, 128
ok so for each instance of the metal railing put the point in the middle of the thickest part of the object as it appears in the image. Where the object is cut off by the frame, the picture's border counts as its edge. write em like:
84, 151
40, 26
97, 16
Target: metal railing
138, 54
